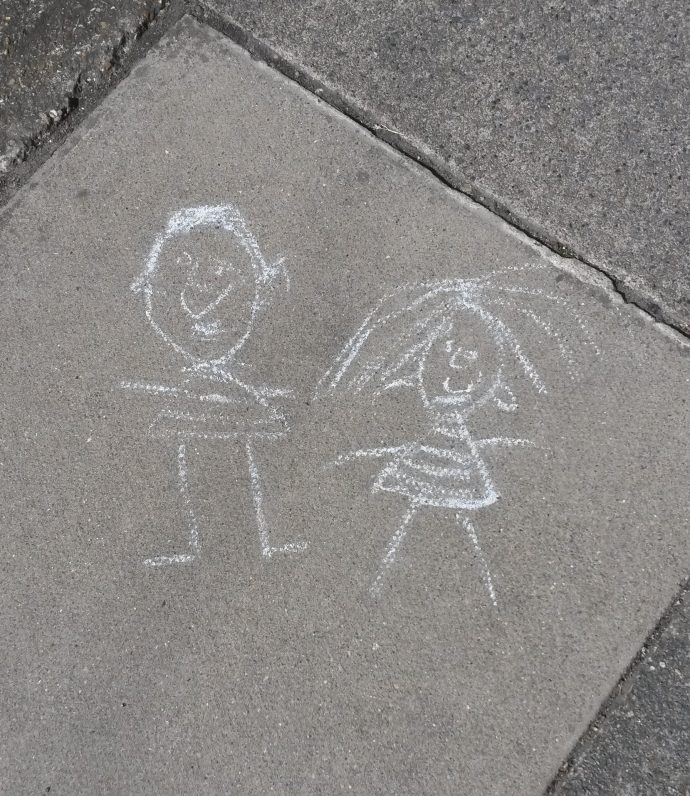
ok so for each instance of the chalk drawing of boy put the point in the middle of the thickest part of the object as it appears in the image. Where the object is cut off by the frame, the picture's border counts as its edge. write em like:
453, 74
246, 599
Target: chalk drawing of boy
204, 287
447, 341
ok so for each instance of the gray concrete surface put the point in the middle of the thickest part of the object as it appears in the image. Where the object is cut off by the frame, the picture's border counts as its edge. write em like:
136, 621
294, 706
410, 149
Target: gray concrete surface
641, 745
569, 118
286, 674
50, 53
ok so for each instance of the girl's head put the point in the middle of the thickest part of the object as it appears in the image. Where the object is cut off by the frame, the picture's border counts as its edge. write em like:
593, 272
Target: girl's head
463, 361
205, 283
448, 340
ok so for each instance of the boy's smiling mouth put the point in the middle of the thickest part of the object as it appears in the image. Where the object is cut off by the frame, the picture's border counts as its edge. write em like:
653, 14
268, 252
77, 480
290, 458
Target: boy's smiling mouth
211, 305
206, 295
208, 330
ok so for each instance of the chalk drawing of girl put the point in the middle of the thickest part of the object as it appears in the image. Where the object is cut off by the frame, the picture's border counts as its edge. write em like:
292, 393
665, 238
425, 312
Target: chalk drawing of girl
204, 287
448, 341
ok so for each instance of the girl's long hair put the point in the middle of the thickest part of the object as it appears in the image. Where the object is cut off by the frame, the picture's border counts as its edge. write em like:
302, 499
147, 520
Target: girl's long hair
388, 348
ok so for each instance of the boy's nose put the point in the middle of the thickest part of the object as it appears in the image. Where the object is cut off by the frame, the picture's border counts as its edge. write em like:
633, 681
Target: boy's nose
200, 297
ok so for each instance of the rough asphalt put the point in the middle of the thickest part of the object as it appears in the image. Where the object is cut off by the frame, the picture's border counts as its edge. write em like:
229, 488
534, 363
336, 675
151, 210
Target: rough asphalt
50, 52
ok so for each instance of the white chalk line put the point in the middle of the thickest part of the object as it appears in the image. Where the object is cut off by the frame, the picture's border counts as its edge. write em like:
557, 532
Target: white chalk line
267, 549
140, 386
183, 486
416, 316
392, 551
461, 473
370, 453
506, 441
205, 419
162, 389
163, 561
225, 217
218, 375
472, 294
167, 433
563, 302
486, 572
505, 334
257, 497
426, 494
566, 352
213, 369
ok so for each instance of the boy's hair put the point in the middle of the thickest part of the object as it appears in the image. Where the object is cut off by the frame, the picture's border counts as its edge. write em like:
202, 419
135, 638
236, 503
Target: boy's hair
225, 217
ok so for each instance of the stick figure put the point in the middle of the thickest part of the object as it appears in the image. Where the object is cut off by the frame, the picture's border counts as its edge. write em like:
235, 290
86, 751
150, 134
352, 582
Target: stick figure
447, 341
204, 287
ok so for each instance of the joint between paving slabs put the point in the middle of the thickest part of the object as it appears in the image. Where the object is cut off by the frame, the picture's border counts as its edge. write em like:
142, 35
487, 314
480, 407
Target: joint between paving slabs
122, 60
123, 57
593, 730
649, 306
119, 58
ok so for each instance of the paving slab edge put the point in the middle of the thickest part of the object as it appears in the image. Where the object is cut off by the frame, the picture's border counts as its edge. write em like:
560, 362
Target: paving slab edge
133, 46
17, 166
579, 749
52, 127
19, 147
631, 290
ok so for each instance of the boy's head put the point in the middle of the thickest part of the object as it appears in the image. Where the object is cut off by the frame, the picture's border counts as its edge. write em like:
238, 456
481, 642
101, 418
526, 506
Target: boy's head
205, 283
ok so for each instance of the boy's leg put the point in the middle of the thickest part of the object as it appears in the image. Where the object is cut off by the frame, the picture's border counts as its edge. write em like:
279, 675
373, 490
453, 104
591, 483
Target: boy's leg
267, 549
183, 486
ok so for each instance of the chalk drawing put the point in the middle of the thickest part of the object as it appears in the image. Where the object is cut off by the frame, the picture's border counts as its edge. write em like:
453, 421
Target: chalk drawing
204, 286
450, 342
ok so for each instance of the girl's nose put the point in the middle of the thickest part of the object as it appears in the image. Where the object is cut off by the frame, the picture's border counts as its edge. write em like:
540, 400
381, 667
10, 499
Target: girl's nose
462, 356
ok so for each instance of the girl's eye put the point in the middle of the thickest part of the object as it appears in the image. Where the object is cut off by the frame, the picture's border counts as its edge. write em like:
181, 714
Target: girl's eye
459, 353
462, 356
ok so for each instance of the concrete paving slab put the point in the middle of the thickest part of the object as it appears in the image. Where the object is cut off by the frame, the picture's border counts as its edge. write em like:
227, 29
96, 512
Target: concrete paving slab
571, 119
398, 528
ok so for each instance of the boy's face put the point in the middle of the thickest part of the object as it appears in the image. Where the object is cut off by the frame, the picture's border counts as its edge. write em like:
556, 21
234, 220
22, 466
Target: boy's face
462, 366
203, 292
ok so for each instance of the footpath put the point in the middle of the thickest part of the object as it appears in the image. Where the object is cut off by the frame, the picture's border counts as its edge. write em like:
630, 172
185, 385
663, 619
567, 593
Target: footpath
345, 400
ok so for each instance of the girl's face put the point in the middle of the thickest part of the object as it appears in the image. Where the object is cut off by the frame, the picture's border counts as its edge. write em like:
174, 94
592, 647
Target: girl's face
204, 290
463, 366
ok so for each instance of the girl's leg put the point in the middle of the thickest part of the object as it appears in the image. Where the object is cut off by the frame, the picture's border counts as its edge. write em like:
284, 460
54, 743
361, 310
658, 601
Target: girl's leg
393, 546
486, 573
183, 486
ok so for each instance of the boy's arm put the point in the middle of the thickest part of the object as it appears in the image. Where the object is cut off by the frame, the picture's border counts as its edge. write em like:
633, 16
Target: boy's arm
510, 442
371, 453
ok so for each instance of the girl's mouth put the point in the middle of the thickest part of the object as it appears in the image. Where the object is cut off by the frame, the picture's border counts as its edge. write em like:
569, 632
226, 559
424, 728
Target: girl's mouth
454, 396
207, 330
